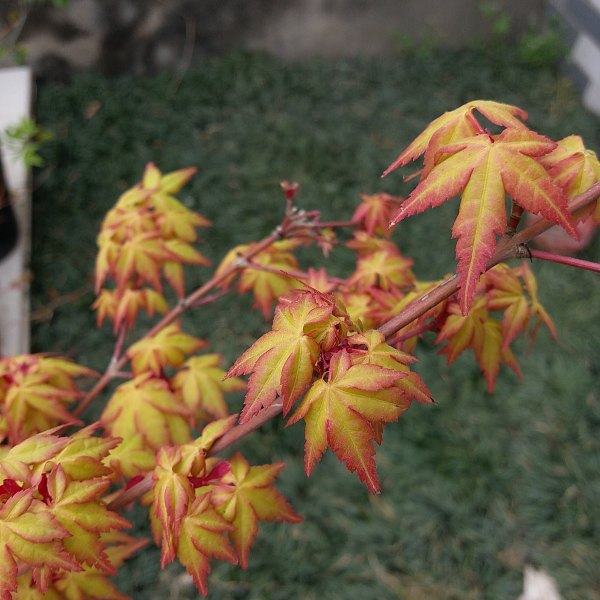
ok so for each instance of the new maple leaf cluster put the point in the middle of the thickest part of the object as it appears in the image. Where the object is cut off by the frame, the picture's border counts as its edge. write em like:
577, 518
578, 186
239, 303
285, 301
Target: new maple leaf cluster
336, 356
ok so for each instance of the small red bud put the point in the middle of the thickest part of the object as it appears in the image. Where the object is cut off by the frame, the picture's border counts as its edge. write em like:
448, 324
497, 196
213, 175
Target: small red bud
289, 189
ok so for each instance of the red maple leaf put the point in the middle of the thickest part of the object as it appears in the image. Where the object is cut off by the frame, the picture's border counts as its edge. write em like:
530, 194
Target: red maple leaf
485, 168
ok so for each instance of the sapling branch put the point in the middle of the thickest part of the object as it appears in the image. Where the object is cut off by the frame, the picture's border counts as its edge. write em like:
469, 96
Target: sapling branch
508, 248
406, 335
238, 432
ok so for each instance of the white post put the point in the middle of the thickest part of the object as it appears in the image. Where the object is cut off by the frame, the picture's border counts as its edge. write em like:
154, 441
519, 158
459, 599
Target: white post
15, 104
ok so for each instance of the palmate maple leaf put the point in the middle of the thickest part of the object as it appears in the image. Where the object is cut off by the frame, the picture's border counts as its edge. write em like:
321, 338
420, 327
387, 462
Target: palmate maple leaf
480, 332
379, 353
53, 519
175, 219
282, 360
169, 183
34, 392
384, 269
78, 507
168, 347
148, 232
536, 310
122, 306
201, 386
345, 411
575, 168
248, 496
485, 168
500, 289
185, 523
203, 535
375, 212
90, 583
507, 294
29, 533
455, 125
269, 286
132, 457
141, 256
172, 494
182, 253
146, 405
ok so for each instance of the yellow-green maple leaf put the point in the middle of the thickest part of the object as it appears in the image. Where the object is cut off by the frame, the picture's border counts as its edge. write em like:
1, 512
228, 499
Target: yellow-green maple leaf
282, 360
270, 285
343, 412
248, 496
203, 535
201, 386
168, 347
30, 536
78, 507
146, 405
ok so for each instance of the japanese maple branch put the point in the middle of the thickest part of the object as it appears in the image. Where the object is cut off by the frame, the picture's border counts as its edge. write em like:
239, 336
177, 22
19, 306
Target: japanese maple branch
239, 432
507, 248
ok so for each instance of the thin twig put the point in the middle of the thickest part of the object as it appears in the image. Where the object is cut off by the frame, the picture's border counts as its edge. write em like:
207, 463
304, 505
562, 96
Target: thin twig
566, 260
240, 431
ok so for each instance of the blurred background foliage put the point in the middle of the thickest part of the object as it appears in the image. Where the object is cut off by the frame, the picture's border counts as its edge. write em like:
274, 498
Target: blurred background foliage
475, 486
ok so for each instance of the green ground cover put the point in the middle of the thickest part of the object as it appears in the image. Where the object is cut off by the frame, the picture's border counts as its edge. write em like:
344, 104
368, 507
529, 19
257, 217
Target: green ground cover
476, 486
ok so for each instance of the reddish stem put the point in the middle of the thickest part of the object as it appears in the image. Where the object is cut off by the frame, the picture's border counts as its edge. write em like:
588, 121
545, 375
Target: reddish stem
403, 336
119, 345
516, 211
292, 274
240, 431
566, 260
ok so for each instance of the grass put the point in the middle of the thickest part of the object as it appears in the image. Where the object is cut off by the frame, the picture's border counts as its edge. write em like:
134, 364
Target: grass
476, 486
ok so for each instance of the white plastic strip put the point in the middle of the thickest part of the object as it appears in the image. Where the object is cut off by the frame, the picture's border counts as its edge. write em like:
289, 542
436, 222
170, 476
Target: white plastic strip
15, 104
